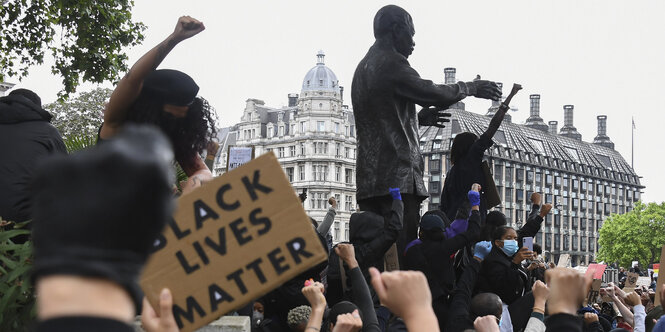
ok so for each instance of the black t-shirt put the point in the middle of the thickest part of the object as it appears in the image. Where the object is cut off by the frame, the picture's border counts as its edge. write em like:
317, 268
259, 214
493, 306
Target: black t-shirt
82, 323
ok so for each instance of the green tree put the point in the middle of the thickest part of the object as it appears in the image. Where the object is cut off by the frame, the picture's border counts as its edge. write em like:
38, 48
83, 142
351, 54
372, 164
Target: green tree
85, 37
80, 116
634, 236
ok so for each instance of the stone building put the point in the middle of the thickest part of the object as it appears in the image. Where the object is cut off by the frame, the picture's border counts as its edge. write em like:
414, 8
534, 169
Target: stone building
586, 182
314, 140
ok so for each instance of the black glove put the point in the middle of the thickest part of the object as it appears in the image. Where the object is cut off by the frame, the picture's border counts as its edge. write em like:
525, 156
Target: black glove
97, 213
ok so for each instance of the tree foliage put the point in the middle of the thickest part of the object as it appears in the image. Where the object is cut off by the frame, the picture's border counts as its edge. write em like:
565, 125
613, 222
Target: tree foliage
85, 38
634, 236
80, 116
17, 300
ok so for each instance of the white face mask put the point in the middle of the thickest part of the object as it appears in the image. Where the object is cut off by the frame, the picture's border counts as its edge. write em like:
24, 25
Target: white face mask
257, 316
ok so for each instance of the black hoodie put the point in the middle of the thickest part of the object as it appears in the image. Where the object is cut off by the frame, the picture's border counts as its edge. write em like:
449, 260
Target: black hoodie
26, 137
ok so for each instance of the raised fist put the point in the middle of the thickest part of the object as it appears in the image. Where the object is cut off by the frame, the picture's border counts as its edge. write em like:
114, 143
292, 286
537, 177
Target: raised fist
187, 27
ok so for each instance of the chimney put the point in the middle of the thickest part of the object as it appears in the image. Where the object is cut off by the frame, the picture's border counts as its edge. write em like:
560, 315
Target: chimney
293, 99
341, 94
602, 139
535, 121
449, 75
568, 129
553, 127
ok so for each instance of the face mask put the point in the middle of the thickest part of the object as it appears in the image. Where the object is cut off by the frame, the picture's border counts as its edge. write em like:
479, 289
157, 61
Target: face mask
257, 316
500, 321
509, 247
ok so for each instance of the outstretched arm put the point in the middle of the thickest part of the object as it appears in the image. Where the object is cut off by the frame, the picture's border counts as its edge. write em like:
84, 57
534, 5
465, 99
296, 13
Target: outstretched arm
129, 87
498, 116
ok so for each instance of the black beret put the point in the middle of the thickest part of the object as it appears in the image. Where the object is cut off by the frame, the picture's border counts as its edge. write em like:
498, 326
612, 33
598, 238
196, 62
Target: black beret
171, 87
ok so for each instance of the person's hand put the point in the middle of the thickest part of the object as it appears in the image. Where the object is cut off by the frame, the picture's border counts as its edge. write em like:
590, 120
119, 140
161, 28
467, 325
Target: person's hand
545, 210
347, 254
394, 192
568, 288
486, 324
618, 291
433, 116
162, 322
540, 293
532, 266
348, 322
535, 198
187, 27
590, 317
522, 254
314, 295
405, 293
484, 89
333, 202
482, 249
632, 299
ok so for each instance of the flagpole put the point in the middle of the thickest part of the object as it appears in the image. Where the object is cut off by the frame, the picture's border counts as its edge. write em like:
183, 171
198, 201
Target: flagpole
632, 145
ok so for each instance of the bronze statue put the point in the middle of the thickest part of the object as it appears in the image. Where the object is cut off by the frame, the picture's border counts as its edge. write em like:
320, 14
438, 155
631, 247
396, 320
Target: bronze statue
384, 93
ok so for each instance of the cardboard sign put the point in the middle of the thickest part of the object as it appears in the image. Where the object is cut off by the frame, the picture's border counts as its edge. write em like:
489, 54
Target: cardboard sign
661, 280
643, 281
631, 281
231, 241
238, 156
564, 260
594, 292
596, 270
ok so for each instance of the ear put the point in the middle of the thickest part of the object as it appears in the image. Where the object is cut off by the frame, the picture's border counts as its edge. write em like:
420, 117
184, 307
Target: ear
498, 243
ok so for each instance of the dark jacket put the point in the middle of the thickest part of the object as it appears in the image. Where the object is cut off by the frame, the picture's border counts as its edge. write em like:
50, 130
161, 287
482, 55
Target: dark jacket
384, 92
459, 318
433, 258
26, 137
499, 275
563, 322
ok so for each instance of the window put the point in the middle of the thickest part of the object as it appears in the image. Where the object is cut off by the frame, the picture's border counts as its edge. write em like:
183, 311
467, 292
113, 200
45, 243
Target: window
289, 174
270, 131
548, 180
292, 150
281, 130
293, 129
348, 175
303, 126
436, 145
320, 126
348, 203
338, 172
435, 165
320, 172
336, 232
509, 175
320, 148
280, 151
347, 152
338, 147
435, 178
336, 127
433, 187
346, 231
302, 149
301, 171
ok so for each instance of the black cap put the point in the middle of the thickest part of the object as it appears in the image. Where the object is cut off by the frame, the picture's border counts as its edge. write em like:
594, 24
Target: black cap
171, 86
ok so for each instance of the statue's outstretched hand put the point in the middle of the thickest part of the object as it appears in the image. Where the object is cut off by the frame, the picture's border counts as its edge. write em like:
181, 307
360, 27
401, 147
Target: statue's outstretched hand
433, 116
484, 89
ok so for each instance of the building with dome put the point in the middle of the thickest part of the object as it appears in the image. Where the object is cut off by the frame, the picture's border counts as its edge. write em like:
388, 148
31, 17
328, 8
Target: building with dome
314, 140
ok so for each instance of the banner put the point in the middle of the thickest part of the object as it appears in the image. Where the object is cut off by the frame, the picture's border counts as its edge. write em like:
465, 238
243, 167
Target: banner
231, 241
238, 156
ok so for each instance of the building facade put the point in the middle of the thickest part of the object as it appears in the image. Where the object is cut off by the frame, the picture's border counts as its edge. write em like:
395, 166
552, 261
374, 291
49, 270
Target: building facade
586, 182
314, 140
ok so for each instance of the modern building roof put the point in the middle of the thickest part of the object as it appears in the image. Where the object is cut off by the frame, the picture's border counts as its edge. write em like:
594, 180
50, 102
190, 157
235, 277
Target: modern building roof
543, 149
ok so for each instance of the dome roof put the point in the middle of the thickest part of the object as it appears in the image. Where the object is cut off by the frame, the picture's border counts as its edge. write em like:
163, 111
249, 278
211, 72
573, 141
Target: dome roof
320, 77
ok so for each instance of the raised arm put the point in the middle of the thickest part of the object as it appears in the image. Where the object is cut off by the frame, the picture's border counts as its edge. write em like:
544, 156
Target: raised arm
359, 288
498, 116
324, 227
129, 87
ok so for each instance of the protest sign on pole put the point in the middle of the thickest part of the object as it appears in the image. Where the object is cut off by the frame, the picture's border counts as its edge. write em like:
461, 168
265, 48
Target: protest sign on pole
238, 156
661, 280
631, 281
564, 260
231, 241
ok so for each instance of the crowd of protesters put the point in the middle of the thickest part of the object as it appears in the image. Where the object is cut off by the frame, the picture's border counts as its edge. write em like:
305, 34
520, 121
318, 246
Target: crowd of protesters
96, 214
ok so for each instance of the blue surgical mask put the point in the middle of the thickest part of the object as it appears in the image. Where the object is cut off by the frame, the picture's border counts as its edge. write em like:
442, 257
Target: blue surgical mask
500, 321
509, 247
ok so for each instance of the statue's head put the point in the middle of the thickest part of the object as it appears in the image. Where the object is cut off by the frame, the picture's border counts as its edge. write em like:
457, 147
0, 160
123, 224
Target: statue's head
393, 23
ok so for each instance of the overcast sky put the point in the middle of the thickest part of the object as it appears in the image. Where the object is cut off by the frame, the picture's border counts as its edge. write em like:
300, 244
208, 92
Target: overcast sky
604, 57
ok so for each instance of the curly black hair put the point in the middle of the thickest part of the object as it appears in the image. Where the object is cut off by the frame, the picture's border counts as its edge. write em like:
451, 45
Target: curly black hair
189, 136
